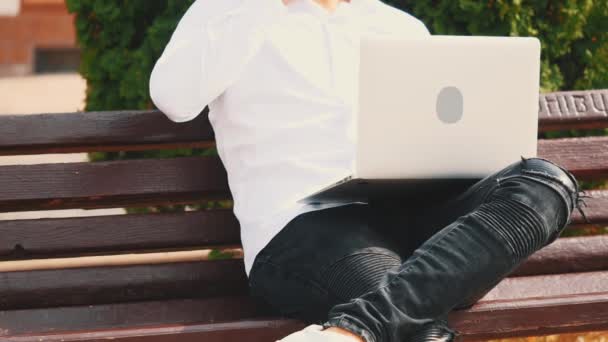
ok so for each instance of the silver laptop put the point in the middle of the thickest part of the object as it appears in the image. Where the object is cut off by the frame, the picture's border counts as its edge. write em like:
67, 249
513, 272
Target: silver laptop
439, 113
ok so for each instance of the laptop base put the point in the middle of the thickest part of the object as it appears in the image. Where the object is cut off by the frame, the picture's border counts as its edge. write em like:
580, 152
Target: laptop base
365, 190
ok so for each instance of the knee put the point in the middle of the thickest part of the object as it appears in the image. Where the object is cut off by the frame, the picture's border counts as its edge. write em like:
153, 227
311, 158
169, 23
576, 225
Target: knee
546, 170
358, 273
544, 186
531, 206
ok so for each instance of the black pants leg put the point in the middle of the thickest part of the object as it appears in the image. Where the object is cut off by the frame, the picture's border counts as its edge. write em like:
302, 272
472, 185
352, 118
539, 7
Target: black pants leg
474, 241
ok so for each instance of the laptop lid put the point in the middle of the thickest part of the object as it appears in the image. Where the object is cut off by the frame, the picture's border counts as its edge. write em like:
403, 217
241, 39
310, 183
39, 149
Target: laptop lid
446, 106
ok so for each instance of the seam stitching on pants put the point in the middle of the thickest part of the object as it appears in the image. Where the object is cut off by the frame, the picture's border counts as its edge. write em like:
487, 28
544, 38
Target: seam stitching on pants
326, 267
551, 186
429, 250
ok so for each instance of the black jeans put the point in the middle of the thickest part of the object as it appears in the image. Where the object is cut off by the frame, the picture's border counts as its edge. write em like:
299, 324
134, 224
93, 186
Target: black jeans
385, 269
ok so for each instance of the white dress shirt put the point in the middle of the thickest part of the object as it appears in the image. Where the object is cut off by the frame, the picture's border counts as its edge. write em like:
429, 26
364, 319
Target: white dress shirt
281, 84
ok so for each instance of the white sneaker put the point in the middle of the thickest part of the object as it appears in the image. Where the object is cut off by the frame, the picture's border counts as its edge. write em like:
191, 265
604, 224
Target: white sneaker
315, 333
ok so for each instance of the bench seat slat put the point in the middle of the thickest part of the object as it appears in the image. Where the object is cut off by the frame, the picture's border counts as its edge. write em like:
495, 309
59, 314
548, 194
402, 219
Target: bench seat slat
141, 130
506, 311
34, 237
176, 311
532, 317
99, 131
191, 179
27, 289
256, 330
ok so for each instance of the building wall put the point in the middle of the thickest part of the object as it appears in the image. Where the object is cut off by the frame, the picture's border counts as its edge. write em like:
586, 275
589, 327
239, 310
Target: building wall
40, 24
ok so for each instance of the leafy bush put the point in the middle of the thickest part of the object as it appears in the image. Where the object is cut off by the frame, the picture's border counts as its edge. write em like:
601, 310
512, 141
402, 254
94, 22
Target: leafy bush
121, 40
573, 33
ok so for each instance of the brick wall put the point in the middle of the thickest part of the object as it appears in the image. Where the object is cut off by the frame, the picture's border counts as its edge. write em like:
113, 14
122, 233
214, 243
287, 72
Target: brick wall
40, 23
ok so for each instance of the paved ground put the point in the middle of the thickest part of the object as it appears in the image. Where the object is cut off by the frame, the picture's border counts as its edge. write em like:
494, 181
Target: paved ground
55, 93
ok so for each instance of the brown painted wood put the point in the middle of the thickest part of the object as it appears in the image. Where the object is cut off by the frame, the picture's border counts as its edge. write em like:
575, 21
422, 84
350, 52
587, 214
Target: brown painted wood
573, 110
141, 130
148, 282
111, 184
126, 315
550, 285
532, 317
192, 179
120, 284
38, 237
517, 306
254, 330
258, 330
566, 255
585, 157
99, 131
595, 208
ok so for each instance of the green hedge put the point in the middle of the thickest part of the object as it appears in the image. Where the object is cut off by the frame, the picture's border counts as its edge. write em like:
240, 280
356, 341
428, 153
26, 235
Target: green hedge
121, 40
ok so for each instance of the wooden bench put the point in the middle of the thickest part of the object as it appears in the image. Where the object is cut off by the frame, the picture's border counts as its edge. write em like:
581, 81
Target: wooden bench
167, 292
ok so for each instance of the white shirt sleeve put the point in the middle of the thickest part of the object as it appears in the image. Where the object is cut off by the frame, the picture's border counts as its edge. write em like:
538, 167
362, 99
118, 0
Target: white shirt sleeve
208, 50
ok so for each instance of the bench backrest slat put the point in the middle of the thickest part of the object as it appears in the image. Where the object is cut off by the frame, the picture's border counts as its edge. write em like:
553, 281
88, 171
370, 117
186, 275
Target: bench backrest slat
141, 130
194, 179
586, 157
111, 184
99, 131
573, 110
34, 238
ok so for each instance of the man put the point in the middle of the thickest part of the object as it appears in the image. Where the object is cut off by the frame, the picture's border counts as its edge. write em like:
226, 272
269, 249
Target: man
280, 79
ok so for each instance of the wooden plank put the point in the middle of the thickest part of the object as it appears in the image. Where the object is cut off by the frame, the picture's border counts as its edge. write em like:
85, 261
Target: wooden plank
566, 255
127, 315
573, 110
148, 130
33, 238
596, 208
586, 157
574, 302
532, 317
191, 179
120, 260
111, 184
549, 285
100, 131
120, 284
254, 330
146, 282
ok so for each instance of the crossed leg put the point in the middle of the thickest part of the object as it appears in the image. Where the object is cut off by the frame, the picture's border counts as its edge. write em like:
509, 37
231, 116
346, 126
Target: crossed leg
336, 262
495, 225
